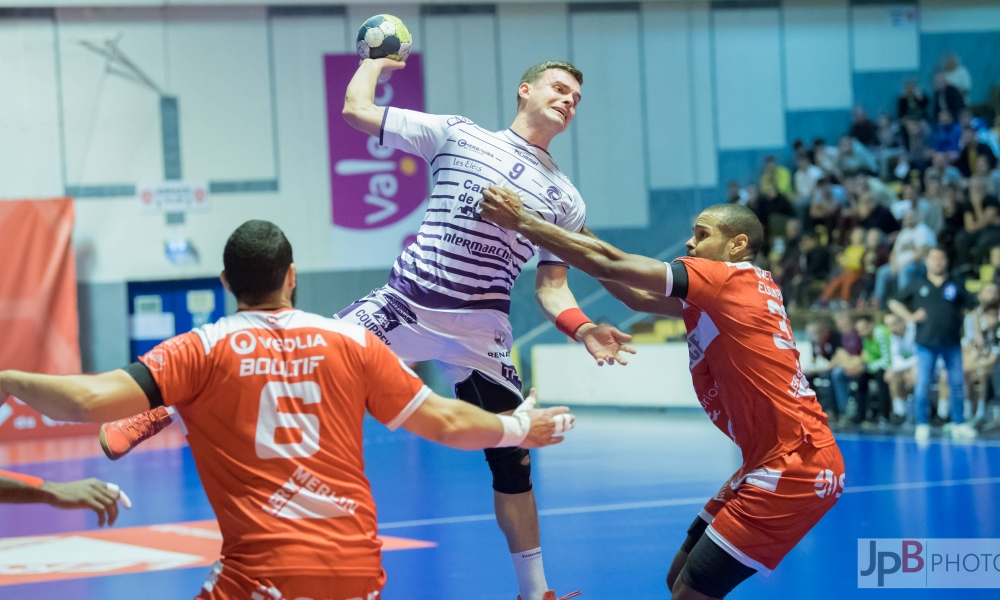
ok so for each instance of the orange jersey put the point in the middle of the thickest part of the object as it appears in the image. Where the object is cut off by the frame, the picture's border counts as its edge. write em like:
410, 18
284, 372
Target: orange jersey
274, 403
744, 363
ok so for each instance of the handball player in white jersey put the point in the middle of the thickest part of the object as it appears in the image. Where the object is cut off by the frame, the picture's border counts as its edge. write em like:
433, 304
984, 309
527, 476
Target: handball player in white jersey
448, 295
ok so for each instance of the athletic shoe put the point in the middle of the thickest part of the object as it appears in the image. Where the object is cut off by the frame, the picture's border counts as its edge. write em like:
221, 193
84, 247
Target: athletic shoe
963, 431
118, 438
922, 433
551, 595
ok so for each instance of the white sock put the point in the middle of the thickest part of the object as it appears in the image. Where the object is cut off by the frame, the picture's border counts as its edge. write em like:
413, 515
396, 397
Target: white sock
942, 408
530, 574
899, 406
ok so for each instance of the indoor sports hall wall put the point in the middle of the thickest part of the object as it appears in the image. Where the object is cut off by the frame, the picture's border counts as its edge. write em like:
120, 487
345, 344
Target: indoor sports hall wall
679, 97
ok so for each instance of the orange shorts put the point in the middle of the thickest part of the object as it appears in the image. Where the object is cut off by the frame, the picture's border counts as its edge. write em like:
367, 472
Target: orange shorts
226, 583
760, 515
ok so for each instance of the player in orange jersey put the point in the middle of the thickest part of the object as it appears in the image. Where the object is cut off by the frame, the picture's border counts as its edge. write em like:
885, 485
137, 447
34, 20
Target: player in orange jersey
273, 399
747, 376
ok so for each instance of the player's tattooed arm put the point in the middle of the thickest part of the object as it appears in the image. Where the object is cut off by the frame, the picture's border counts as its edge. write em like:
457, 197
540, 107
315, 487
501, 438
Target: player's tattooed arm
78, 398
593, 256
360, 110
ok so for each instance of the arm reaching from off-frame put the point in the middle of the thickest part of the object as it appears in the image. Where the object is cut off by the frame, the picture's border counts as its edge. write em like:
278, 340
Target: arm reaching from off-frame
461, 425
78, 398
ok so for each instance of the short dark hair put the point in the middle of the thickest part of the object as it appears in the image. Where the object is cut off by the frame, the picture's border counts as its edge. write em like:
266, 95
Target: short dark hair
533, 73
256, 260
735, 219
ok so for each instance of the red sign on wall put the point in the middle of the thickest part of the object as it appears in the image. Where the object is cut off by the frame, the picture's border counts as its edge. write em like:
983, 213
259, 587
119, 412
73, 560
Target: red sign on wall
39, 327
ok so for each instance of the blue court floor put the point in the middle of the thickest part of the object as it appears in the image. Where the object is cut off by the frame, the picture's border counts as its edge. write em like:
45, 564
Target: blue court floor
616, 500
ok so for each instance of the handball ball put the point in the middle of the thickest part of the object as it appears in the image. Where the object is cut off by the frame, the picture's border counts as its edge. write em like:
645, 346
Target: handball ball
384, 36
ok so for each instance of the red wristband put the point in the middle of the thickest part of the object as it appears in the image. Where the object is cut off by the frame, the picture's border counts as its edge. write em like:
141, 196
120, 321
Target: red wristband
28, 480
570, 320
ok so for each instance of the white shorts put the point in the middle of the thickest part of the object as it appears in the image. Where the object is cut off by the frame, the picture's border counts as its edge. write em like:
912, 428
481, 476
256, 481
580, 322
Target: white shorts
464, 341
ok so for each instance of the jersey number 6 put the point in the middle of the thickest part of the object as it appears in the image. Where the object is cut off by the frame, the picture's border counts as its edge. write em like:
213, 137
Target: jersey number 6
299, 432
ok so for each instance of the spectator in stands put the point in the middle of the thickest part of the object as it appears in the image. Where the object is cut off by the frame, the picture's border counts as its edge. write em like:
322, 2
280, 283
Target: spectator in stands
864, 129
902, 373
807, 175
912, 103
824, 157
873, 215
773, 209
788, 265
947, 134
957, 75
934, 203
876, 254
852, 270
953, 215
877, 356
947, 98
982, 225
972, 150
911, 201
890, 144
814, 267
942, 170
937, 304
995, 263
854, 159
918, 144
848, 367
824, 210
734, 193
910, 248
778, 176
824, 343
978, 360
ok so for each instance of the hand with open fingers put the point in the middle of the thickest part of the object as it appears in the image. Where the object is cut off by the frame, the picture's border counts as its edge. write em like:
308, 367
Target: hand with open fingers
501, 206
606, 343
98, 496
547, 425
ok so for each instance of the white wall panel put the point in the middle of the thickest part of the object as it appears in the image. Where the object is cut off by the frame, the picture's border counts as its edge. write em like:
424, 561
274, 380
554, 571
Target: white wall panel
678, 140
460, 68
885, 38
707, 165
112, 124
817, 55
610, 122
748, 79
299, 46
218, 68
30, 164
946, 16
530, 34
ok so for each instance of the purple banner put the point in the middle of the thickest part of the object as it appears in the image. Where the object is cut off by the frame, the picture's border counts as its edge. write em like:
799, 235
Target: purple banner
372, 186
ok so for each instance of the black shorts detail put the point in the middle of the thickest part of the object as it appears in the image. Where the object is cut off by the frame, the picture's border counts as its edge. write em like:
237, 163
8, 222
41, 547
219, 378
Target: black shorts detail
695, 531
487, 394
511, 467
141, 374
712, 571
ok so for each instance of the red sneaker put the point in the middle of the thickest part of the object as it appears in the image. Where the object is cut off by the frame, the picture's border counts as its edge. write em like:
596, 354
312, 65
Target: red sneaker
118, 438
551, 595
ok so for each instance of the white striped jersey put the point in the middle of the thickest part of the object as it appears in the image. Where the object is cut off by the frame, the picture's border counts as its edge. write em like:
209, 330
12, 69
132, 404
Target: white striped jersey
460, 261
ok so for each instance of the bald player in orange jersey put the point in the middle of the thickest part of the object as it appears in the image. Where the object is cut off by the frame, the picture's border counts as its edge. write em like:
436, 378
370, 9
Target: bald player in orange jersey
746, 373
274, 399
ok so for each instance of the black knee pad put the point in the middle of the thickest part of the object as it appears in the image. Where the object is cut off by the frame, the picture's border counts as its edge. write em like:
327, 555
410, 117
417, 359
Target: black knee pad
511, 467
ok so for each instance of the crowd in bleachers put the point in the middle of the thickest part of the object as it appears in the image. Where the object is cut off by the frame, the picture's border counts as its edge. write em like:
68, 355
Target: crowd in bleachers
876, 240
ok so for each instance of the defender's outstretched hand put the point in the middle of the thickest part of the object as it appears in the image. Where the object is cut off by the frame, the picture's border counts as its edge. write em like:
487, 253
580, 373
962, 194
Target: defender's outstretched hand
606, 343
501, 206
97, 495
547, 425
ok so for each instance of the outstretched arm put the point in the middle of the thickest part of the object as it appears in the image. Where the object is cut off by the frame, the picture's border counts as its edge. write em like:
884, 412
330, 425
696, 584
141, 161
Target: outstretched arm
360, 110
461, 425
97, 495
604, 342
647, 302
594, 257
78, 398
